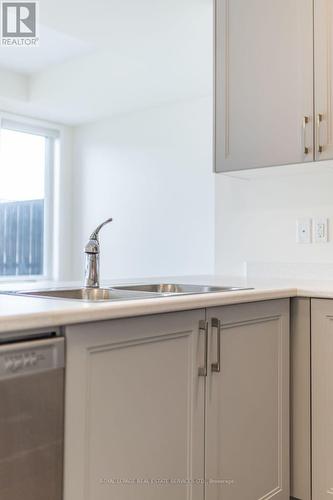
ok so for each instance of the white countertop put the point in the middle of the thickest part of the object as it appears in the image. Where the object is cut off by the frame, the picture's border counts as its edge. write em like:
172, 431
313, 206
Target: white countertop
26, 313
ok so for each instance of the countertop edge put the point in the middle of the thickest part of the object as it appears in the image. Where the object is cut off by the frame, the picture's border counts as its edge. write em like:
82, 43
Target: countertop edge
60, 315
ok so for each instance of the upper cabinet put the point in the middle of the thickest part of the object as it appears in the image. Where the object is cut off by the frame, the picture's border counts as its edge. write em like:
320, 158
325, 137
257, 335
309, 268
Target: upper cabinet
323, 56
273, 82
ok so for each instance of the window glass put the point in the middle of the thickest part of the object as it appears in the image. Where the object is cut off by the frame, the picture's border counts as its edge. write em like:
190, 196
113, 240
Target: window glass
22, 203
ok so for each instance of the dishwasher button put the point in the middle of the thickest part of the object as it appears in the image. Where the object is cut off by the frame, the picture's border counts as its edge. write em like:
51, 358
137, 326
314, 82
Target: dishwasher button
33, 359
26, 361
18, 363
8, 364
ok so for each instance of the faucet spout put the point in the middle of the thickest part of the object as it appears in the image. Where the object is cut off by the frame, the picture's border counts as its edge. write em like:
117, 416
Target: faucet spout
92, 251
94, 234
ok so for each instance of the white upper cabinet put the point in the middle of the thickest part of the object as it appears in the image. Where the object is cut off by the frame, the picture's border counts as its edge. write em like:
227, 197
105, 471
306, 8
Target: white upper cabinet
264, 92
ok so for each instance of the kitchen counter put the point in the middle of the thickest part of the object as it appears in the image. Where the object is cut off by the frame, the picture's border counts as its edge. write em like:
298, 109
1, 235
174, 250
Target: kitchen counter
25, 313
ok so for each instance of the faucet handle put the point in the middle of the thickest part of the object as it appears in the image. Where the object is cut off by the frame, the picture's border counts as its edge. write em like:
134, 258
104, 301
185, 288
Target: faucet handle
92, 247
94, 234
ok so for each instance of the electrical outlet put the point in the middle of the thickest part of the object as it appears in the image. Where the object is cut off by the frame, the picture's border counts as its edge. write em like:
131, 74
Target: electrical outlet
303, 230
320, 230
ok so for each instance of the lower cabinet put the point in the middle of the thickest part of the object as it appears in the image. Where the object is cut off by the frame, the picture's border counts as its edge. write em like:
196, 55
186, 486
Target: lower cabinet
189, 405
322, 399
135, 409
247, 405
300, 398
312, 399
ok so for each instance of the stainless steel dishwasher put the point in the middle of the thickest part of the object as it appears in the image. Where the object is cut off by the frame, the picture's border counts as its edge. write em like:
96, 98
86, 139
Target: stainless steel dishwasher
31, 416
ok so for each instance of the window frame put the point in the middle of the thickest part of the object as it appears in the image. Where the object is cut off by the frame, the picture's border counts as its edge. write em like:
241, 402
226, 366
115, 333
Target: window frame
35, 127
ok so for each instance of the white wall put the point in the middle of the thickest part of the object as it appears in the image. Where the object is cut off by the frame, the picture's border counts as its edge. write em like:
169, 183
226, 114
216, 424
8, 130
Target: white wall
63, 206
152, 172
256, 216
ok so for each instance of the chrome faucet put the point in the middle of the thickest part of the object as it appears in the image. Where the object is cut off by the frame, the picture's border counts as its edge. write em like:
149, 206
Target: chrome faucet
92, 251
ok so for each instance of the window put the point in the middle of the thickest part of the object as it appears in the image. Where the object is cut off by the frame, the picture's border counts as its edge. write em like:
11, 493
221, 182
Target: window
26, 159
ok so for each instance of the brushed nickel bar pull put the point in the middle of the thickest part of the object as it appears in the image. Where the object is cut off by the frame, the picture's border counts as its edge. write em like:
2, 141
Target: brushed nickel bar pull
306, 121
320, 119
216, 367
203, 328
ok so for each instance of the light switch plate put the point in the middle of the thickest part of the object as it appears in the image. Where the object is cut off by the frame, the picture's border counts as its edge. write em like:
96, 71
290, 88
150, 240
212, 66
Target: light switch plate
320, 230
303, 230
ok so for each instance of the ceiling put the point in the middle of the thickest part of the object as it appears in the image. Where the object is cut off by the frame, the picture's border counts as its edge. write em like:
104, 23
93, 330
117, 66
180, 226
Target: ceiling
55, 47
104, 57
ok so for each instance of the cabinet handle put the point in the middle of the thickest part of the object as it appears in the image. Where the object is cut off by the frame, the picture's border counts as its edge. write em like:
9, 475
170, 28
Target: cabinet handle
320, 119
203, 328
216, 367
306, 121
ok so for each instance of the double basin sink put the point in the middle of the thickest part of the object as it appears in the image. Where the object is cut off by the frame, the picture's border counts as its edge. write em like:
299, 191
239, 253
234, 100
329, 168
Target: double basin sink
127, 292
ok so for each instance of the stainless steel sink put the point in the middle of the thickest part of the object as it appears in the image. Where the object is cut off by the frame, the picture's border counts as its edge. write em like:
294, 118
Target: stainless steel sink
177, 289
125, 292
87, 294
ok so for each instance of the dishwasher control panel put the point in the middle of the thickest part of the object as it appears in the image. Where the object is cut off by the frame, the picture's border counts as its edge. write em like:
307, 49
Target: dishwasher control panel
17, 361
29, 357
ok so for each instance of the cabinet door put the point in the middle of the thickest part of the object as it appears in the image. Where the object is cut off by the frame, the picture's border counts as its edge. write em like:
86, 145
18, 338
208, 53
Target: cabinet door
247, 433
300, 398
264, 83
323, 79
135, 409
322, 399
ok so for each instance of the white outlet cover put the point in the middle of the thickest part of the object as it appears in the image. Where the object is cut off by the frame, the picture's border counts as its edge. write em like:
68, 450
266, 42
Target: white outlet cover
303, 230
320, 230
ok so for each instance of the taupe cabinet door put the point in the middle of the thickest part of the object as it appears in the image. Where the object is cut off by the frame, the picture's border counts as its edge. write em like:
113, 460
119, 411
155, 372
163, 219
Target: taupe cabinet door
323, 79
322, 399
135, 409
247, 407
264, 83
142, 408
300, 398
